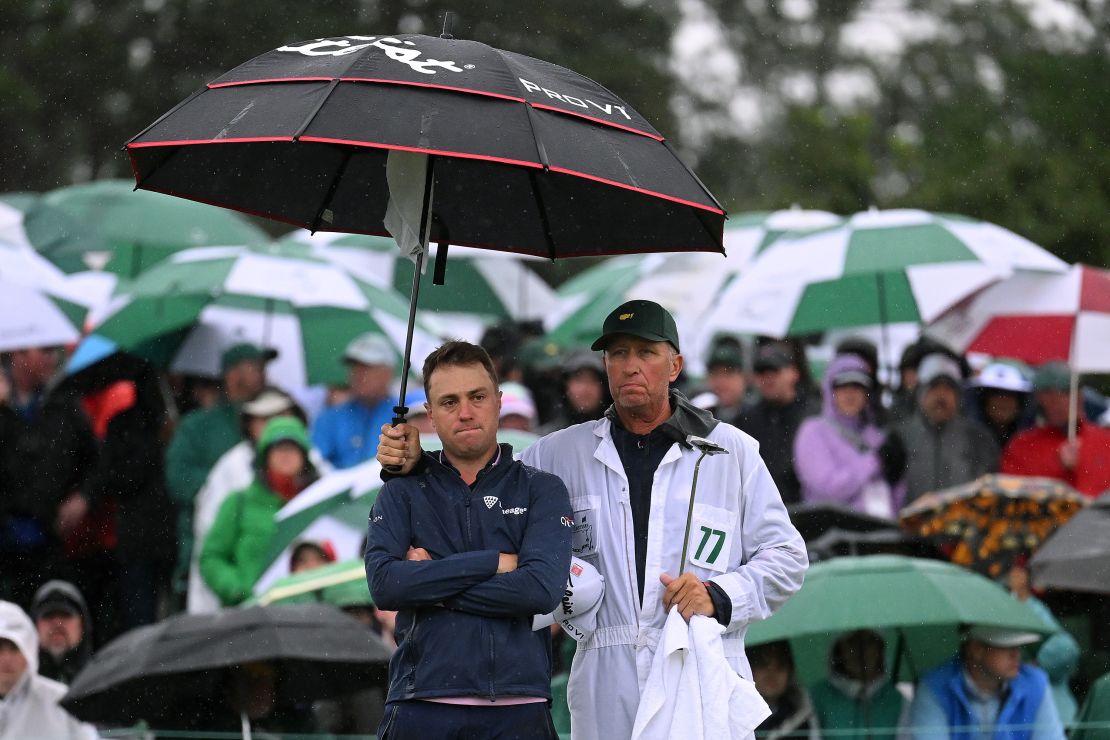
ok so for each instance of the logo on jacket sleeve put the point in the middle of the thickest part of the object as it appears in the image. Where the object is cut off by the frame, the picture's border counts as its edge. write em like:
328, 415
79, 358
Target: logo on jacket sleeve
490, 501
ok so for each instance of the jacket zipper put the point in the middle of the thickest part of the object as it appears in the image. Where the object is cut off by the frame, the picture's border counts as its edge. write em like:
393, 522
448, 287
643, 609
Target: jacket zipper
467, 507
492, 668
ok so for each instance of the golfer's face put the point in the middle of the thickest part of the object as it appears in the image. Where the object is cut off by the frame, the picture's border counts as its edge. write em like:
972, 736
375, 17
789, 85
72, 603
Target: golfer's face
464, 406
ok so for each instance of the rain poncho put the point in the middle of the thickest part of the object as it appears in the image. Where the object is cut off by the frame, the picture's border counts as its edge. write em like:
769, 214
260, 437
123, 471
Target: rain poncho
30, 709
836, 457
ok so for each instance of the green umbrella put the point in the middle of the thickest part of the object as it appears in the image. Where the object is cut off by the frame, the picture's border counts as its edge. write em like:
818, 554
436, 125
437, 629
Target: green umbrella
483, 287
686, 284
110, 224
184, 312
919, 604
340, 584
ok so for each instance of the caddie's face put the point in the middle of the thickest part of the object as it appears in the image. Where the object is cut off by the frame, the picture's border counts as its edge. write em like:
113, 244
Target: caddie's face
464, 406
640, 371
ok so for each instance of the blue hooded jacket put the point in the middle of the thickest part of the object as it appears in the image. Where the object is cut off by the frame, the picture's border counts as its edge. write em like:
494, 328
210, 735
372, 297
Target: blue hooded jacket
462, 628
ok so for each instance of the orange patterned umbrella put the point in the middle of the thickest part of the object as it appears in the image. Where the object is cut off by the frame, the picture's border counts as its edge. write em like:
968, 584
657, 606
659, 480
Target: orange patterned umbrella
986, 524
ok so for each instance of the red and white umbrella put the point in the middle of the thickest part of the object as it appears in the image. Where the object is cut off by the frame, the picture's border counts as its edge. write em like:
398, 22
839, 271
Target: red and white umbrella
1037, 318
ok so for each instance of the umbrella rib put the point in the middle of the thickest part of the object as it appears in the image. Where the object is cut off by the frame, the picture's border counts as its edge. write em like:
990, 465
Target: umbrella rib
695, 176
316, 109
163, 117
347, 153
544, 220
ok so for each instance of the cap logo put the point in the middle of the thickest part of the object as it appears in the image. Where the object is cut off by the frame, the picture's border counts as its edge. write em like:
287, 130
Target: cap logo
626, 316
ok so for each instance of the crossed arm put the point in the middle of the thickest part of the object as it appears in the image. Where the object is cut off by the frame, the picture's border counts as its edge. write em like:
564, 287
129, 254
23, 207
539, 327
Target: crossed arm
484, 582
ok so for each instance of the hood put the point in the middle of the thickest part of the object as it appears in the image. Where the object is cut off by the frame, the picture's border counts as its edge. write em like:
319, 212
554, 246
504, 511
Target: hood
828, 408
283, 429
16, 626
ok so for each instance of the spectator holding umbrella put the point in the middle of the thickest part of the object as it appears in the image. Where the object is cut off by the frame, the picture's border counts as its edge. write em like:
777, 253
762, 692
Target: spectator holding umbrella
986, 691
472, 544
1000, 399
1082, 461
838, 455
233, 555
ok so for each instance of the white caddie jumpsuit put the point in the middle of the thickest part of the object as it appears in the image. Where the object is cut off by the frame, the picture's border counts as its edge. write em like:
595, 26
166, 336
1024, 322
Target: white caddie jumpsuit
740, 538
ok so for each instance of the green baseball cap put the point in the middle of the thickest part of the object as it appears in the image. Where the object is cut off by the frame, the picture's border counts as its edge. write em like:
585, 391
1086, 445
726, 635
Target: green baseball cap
1052, 376
244, 351
644, 319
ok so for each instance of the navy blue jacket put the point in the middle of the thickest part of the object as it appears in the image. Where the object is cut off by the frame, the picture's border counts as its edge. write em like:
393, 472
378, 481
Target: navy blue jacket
462, 628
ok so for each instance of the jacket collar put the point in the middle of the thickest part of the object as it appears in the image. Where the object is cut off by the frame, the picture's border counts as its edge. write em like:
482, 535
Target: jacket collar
685, 419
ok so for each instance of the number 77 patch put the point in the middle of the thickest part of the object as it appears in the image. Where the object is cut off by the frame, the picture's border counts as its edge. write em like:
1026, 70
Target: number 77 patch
711, 534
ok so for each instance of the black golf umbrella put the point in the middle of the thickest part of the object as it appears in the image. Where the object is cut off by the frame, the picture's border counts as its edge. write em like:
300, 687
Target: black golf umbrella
522, 155
814, 520
162, 672
837, 542
1076, 557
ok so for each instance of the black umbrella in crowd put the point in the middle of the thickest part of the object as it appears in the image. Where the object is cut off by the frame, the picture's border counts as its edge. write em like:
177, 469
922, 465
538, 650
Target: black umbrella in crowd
469, 144
1077, 555
164, 672
814, 520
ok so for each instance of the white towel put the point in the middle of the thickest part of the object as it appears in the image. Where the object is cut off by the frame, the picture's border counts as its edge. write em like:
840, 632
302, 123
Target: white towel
692, 691
406, 173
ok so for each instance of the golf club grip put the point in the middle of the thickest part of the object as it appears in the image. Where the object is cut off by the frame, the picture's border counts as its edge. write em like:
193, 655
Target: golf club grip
400, 414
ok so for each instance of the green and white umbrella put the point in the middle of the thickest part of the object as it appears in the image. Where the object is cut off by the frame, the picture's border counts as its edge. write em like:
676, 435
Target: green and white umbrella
183, 313
335, 508
686, 284
879, 267
483, 287
108, 224
36, 317
340, 584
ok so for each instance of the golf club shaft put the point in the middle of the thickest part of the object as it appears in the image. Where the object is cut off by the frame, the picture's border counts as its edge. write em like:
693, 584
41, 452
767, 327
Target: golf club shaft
690, 512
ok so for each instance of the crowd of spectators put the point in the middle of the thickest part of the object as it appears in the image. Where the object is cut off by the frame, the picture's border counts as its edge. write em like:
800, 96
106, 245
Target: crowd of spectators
128, 494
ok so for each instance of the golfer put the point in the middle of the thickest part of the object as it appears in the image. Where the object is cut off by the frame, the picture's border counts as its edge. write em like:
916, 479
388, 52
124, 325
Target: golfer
629, 476
468, 548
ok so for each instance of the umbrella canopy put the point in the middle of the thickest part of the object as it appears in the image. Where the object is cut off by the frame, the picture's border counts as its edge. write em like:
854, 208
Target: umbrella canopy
339, 584
37, 316
184, 312
922, 602
814, 520
685, 284
1077, 556
302, 134
105, 224
879, 267
837, 543
988, 523
1036, 318
160, 672
485, 287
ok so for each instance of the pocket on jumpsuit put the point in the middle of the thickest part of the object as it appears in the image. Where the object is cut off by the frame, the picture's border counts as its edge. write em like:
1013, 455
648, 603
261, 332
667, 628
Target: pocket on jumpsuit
585, 532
